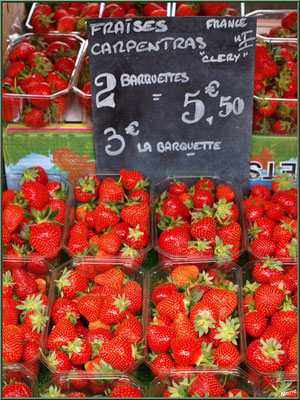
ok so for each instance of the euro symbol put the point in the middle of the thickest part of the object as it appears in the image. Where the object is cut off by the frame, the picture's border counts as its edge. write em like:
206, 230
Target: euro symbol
131, 129
211, 89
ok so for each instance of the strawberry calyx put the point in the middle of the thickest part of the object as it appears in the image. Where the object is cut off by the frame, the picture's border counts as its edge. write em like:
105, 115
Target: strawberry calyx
103, 367
222, 251
180, 389
227, 285
122, 303
293, 248
250, 287
192, 296
135, 233
7, 279
32, 303
63, 281
141, 185
50, 359
272, 263
38, 42
42, 66
20, 200
20, 250
30, 174
114, 206
166, 222
72, 347
200, 245
128, 251
46, 19
52, 391
253, 231
287, 304
205, 359
280, 390
16, 88
71, 317
204, 322
80, 24
87, 184
228, 331
62, 53
137, 351
271, 348
96, 346
223, 210
46, 215
205, 211
285, 182
38, 321
60, 192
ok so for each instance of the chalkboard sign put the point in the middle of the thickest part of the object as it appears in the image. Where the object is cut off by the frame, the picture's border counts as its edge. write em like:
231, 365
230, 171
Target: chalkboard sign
173, 95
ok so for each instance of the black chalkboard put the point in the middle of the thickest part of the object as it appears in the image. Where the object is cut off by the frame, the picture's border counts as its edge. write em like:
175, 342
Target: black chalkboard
173, 95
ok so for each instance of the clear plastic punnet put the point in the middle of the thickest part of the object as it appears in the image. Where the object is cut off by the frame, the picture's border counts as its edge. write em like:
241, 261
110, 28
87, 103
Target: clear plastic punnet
197, 308
270, 310
175, 230
127, 253
104, 305
15, 374
90, 385
216, 384
21, 106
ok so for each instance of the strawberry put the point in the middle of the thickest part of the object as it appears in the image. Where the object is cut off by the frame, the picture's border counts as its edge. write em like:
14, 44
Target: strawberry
203, 316
266, 356
79, 351
182, 275
21, 52
30, 351
110, 190
7, 285
8, 197
184, 10
90, 307
10, 311
110, 242
133, 292
85, 100
12, 216
58, 361
132, 180
282, 233
236, 393
37, 174
226, 355
71, 282
162, 363
64, 308
293, 348
289, 21
225, 301
285, 320
263, 247
225, 331
17, 389
267, 299
105, 216
159, 338
265, 270
24, 283
16, 68
170, 306
126, 391
173, 240
205, 229
12, 340
114, 310
65, 65
163, 291
118, 353
177, 188
206, 384
62, 333
112, 278
135, 213
45, 238
183, 327
225, 191
231, 233
87, 188
130, 328
255, 323
40, 95
66, 24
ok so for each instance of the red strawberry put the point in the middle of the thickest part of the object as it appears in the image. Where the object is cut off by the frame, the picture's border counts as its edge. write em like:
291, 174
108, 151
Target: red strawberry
110, 242
206, 384
118, 353
56, 82
126, 391
255, 323
45, 238
267, 299
62, 333
71, 282
90, 307
266, 356
36, 118
289, 20
114, 310
85, 100
225, 301
226, 355
79, 351
286, 319
263, 247
105, 216
203, 316
112, 278
161, 364
17, 389
12, 340
236, 393
58, 361
64, 308
265, 270
65, 65
66, 24
40, 95
132, 180
163, 291
136, 213
174, 240
170, 306
36, 194
21, 52
110, 190
130, 328
206, 229
133, 292
15, 69
12, 216
159, 338
24, 283
183, 327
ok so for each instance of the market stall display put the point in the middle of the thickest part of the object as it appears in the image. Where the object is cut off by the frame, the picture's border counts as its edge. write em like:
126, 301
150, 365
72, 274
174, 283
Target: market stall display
119, 285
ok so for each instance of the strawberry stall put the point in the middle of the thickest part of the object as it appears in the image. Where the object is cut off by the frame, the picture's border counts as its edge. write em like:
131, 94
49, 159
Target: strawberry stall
149, 199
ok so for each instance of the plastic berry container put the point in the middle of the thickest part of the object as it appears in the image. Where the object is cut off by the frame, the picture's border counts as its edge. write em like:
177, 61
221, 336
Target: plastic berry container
17, 107
163, 185
65, 278
13, 183
183, 281
33, 317
187, 9
267, 20
80, 26
188, 383
90, 385
264, 280
136, 258
280, 251
82, 89
17, 373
